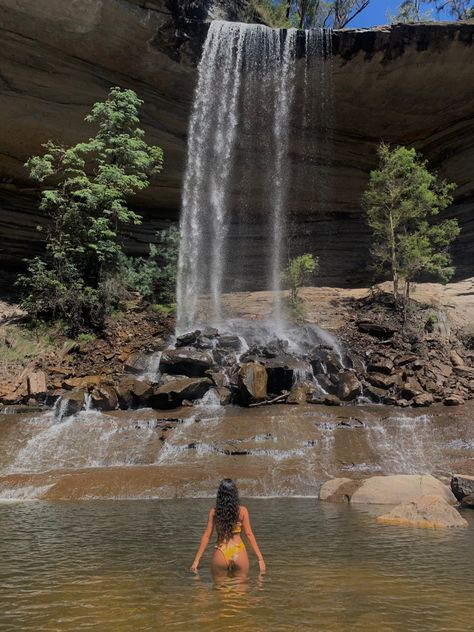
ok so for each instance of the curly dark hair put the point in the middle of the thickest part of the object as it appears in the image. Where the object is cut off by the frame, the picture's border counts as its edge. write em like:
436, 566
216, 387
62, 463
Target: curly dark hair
227, 508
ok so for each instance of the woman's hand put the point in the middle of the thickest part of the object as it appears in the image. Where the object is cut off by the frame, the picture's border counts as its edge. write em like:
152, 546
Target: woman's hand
194, 567
262, 566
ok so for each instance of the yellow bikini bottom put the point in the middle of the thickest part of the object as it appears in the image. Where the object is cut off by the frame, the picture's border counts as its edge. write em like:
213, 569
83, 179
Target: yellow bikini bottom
231, 551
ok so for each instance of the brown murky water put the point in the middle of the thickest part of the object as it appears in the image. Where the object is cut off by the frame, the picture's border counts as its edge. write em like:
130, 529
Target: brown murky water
122, 566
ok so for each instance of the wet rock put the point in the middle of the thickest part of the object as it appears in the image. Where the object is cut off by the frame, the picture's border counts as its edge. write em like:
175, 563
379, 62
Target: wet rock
349, 387
132, 392
205, 343
325, 399
398, 488
229, 341
326, 361
223, 394
219, 379
186, 361
166, 377
252, 382
424, 399
188, 339
36, 383
327, 383
462, 485
380, 364
82, 382
428, 512
338, 490
468, 501
136, 363
297, 395
453, 400
104, 398
177, 392
210, 332
374, 393
73, 401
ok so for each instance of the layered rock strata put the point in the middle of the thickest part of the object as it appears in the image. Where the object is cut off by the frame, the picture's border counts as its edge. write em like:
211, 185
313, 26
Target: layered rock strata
409, 84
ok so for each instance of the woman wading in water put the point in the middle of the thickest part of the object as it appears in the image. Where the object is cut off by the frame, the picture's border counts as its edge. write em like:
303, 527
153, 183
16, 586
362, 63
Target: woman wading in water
230, 518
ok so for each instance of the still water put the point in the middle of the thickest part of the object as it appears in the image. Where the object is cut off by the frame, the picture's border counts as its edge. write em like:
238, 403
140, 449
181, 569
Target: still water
122, 566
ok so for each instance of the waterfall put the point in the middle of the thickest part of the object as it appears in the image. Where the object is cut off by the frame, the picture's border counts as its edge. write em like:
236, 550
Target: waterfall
238, 169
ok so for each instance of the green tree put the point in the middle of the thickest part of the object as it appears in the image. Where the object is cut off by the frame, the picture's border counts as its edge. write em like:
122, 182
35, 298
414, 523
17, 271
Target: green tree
306, 14
401, 198
299, 271
87, 189
154, 276
419, 10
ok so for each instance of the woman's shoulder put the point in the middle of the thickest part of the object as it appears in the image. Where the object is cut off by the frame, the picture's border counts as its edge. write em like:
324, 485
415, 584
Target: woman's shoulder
243, 512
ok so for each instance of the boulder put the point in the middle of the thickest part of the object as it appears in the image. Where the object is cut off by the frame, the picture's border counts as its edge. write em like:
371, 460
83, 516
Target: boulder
298, 395
174, 393
338, 489
81, 382
325, 399
222, 394
326, 361
424, 399
284, 371
252, 382
132, 392
229, 341
376, 394
380, 364
462, 485
219, 379
71, 402
405, 358
349, 386
427, 512
453, 400
136, 363
464, 371
380, 380
398, 488
104, 398
186, 361
411, 388
187, 339
36, 383
455, 358
468, 501
376, 329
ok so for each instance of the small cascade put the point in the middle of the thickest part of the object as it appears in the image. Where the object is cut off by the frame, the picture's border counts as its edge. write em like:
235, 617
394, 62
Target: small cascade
151, 372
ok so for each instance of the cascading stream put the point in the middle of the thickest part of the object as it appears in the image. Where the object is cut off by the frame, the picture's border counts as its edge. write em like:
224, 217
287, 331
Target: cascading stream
238, 168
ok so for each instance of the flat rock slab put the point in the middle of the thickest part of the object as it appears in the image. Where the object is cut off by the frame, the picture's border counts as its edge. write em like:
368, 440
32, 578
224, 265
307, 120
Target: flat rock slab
384, 490
427, 512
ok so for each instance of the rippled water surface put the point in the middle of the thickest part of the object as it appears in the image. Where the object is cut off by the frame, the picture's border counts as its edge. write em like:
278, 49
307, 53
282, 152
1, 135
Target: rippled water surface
120, 566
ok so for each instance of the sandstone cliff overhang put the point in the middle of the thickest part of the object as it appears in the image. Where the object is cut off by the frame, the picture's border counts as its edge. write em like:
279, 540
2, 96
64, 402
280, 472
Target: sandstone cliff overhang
409, 84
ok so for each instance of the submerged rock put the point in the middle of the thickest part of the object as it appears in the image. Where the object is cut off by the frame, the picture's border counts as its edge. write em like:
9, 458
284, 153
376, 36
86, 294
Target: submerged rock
252, 382
427, 512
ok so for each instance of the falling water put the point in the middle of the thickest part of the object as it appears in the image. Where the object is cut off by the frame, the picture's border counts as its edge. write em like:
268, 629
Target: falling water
238, 169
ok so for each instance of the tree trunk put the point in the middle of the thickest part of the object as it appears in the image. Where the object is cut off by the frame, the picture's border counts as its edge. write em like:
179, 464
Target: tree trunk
393, 259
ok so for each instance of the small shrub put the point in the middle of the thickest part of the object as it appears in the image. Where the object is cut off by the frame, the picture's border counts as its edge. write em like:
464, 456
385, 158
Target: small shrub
86, 338
430, 322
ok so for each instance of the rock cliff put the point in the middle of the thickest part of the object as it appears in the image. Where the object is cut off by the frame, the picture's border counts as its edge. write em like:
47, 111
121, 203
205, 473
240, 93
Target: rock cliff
410, 84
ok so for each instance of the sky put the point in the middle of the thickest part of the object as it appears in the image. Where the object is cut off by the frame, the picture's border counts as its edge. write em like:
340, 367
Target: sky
376, 13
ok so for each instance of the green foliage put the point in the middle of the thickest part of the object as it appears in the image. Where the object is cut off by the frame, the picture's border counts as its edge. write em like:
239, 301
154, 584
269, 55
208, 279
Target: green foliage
88, 186
401, 199
299, 271
305, 14
86, 338
430, 322
163, 309
422, 10
154, 277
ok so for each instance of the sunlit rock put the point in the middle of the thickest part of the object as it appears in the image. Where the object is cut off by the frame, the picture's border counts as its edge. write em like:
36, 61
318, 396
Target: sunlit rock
427, 512
252, 382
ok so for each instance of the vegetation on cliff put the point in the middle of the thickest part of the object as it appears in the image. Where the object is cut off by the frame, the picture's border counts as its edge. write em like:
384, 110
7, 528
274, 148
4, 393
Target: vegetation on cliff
400, 202
87, 193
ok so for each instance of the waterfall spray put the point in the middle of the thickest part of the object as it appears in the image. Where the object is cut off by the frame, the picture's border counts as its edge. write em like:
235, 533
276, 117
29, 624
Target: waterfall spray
244, 95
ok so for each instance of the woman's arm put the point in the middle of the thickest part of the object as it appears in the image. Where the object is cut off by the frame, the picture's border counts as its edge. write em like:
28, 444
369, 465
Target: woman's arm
204, 540
251, 538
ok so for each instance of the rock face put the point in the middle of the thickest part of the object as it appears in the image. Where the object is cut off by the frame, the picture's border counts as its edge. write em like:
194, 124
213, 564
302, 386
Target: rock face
252, 380
385, 490
462, 486
426, 512
410, 84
